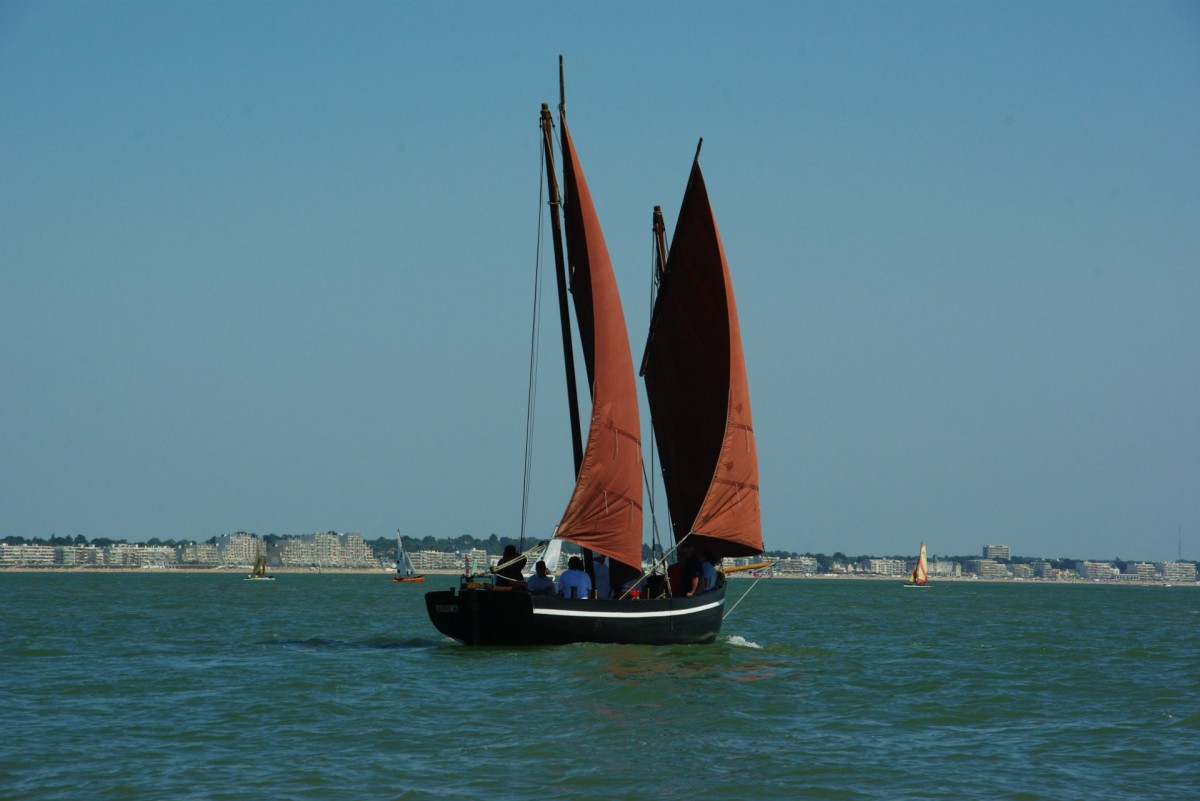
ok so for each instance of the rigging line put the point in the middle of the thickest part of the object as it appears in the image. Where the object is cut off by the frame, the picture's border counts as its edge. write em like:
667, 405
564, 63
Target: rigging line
531, 396
648, 477
523, 555
654, 539
655, 565
739, 600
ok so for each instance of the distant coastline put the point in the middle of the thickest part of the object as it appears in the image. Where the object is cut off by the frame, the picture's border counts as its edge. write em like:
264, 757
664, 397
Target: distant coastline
736, 577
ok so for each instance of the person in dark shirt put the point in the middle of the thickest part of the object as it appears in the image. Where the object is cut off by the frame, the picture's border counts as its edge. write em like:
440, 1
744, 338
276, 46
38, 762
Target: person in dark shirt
708, 572
603, 582
508, 569
684, 575
691, 572
540, 582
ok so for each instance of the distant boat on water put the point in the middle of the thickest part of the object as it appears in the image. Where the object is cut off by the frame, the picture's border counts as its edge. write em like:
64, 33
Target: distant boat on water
406, 571
920, 574
259, 573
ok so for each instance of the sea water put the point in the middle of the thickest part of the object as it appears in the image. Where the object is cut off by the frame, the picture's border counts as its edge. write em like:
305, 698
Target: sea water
204, 686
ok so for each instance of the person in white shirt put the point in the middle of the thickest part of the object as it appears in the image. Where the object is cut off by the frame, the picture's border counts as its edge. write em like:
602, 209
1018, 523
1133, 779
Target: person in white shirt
574, 583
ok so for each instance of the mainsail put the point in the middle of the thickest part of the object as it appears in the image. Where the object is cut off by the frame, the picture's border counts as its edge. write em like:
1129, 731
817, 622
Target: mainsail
404, 564
920, 574
695, 373
605, 509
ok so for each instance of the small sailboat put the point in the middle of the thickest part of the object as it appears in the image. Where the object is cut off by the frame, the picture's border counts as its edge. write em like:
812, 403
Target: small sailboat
259, 572
920, 574
694, 370
405, 569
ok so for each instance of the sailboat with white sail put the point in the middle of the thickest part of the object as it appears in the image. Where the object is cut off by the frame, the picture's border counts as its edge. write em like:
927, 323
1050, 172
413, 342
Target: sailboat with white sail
406, 571
699, 402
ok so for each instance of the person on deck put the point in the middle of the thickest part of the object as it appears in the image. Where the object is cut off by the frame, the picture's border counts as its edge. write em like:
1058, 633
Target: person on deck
603, 583
690, 573
540, 582
508, 570
708, 574
574, 583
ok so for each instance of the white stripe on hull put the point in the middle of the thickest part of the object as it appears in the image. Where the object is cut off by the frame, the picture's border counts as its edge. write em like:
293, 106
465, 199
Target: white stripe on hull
624, 615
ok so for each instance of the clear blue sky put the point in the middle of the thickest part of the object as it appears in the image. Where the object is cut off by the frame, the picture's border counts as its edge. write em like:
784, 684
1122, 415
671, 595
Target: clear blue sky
268, 266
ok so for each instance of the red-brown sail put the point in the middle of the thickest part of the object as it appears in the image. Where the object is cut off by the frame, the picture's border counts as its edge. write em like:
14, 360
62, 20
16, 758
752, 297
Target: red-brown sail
695, 373
605, 510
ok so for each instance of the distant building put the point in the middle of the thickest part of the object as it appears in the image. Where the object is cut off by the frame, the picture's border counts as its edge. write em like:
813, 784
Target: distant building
987, 569
1022, 571
239, 548
800, 566
1095, 571
327, 549
435, 560
887, 567
1000, 553
200, 553
1178, 571
945, 568
1042, 569
81, 555
1143, 571
118, 554
355, 551
32, 555
137, 555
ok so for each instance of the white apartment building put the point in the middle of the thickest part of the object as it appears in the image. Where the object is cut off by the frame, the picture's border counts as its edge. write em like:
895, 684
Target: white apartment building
200, 553
33, 555
800, 566
1094, 571
327, 549
1143, 571
238, 549
887, 567
1178, 571
81, 555
945, 569
987, 569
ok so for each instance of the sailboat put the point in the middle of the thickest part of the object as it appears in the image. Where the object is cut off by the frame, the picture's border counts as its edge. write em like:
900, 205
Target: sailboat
703, 427
920, 574
405, 569
259, 572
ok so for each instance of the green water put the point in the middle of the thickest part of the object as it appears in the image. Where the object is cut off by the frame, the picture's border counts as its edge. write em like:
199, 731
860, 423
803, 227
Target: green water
194, 686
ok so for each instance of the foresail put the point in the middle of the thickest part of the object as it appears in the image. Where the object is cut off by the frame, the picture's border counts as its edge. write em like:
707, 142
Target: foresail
695, 373
605, 510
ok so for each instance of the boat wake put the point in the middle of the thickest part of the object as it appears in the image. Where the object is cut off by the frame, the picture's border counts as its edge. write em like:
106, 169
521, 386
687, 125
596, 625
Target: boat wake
742, 642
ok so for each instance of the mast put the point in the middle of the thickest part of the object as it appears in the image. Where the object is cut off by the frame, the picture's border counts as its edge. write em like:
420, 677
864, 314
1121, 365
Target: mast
660, 244
561, 280
604, 513
572, 391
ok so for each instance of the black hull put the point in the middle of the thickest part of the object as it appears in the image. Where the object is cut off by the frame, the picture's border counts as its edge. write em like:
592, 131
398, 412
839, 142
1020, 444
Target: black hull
476, 616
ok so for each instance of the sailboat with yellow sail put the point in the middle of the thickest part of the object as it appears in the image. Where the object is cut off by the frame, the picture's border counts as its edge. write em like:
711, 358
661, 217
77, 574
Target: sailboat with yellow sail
920, 574
259, 571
